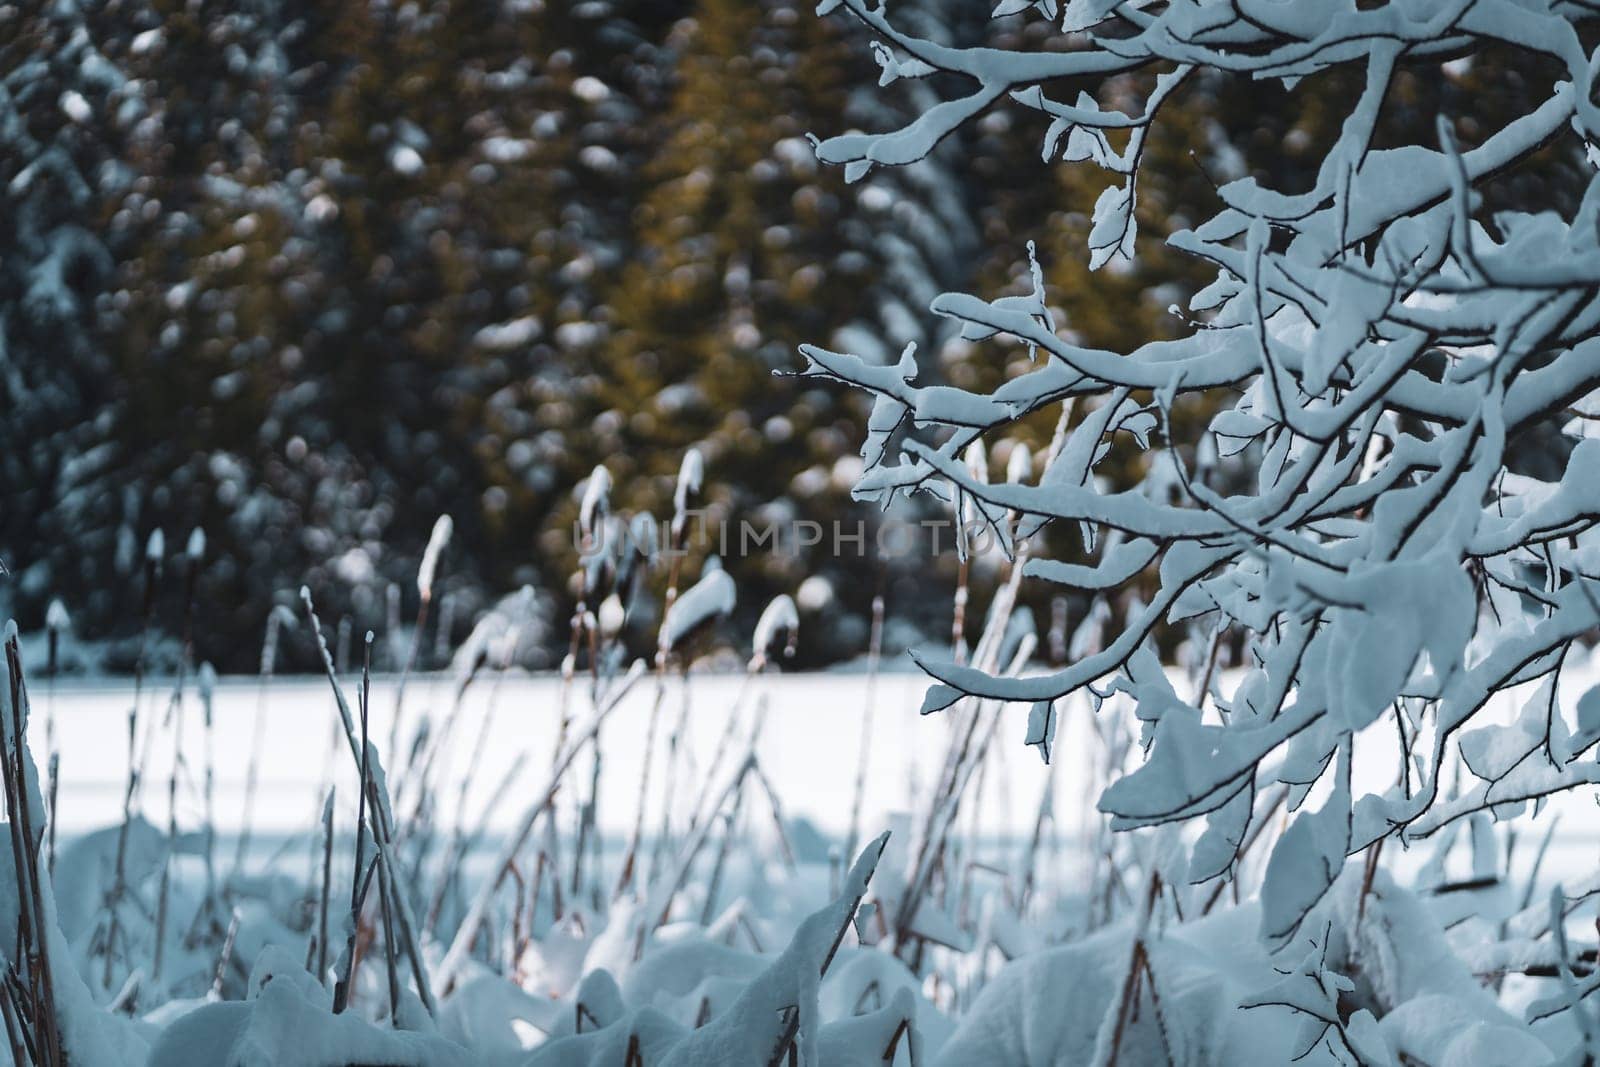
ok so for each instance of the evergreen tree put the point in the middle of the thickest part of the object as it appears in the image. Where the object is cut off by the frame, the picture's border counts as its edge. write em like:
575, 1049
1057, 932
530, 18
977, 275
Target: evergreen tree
65, 110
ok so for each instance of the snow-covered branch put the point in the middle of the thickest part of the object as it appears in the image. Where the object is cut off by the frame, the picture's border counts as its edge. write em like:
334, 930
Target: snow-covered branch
1375, 351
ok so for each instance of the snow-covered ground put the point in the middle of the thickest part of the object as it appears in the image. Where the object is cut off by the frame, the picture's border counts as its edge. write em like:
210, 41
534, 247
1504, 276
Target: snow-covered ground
654, 984
809, 749
809, 746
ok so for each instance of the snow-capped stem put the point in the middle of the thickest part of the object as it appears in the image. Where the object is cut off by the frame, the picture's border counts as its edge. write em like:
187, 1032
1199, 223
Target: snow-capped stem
569, 668
691, 474
779, 618
714, 595
596, 503
426, 572
56, 623
428, 568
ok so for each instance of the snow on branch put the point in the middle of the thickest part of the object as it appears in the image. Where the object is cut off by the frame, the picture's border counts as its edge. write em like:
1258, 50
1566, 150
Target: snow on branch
1374, 349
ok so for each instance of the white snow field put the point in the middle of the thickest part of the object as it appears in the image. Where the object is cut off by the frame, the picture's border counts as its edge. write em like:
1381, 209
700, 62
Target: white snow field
808, 746
809, 749
1442, 955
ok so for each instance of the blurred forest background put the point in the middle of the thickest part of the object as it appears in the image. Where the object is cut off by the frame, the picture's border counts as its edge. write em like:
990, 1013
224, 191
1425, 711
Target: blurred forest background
309, 273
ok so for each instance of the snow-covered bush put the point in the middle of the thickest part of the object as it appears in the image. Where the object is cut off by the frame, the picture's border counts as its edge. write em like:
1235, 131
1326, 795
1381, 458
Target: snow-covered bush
1358, 516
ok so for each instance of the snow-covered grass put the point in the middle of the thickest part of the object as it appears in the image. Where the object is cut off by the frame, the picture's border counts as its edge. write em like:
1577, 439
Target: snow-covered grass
1025, 950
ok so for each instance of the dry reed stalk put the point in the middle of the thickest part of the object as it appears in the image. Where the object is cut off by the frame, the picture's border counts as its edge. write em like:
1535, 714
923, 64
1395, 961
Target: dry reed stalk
209, 785
1258, 827
657, 905
587, 815
865, 866
1030, 858
676, 744
34, 920
435, 746
20, 1056
630, 856
714, 882
724, 745
450, 866
342, 985
174, 716
551, 852
269, 662
961, 759
119, 884
377, 800
386, 910
321, 970
776, 808
1138, 967
225, 957
467, 934
55, 622
454, 850
53, 786
864, 746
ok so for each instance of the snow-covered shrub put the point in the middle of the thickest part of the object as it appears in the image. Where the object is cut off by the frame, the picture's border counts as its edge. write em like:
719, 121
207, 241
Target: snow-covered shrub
1358, 515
